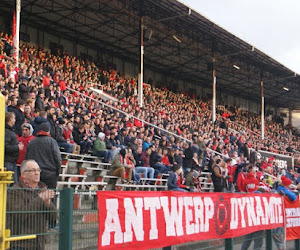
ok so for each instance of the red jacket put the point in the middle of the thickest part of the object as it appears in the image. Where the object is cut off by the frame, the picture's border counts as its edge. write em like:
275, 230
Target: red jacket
251, 183
180, 180
231, 171
240, 182
25, 141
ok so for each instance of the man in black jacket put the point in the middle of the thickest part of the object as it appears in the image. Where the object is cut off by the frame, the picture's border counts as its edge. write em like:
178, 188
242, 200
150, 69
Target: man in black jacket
12, 146
44, 150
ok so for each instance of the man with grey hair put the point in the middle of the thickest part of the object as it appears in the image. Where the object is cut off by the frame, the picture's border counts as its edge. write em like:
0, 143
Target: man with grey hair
29, 207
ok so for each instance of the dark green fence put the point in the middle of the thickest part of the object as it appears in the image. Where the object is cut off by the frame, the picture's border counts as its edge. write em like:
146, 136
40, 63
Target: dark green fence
72, 223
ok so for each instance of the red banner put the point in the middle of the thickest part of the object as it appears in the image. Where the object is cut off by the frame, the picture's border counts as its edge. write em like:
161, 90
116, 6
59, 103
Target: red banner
292, 215
142, 220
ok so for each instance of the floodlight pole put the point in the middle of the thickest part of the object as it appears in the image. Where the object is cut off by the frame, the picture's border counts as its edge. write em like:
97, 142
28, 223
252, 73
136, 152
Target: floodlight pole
262, 110
17, 33
141, 74
214, 93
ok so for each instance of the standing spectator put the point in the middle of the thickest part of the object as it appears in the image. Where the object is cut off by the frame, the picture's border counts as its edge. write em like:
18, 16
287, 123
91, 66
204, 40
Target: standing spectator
20, 118
240, 180
12, 146
50, 117
188, 157
28, 114
31, 206
251, 183
251, 186
217, 176
44, 150
42, 118
39, 103
26, 137
283, 188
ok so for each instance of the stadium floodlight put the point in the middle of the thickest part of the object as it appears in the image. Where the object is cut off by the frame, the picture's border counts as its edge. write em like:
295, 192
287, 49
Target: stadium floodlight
236, 67
286, 89
176, 38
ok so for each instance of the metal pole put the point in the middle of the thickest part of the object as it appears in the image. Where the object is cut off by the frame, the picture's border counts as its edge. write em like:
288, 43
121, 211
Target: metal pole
141, 75
214, 95
66, 219
229, 244
269, 240
262, 110
16, 41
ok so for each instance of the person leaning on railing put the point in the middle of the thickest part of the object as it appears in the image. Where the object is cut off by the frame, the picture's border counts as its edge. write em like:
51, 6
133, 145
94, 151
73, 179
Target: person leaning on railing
30, 208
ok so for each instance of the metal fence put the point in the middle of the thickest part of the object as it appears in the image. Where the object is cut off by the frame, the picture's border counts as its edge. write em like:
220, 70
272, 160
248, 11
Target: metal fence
71, 222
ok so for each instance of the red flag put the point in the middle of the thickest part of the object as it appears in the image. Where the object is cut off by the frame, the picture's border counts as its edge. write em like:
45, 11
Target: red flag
15, 56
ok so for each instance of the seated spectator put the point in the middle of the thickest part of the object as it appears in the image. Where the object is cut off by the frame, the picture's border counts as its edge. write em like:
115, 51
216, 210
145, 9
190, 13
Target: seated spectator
100, 149
118, 166
68, 136
173, 179
131, 163
147, 171
111, 144
147, 143
67, 147
82, 140
31, 208
155, 161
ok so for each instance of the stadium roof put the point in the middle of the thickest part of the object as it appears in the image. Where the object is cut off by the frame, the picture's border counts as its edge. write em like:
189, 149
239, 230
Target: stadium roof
175, 42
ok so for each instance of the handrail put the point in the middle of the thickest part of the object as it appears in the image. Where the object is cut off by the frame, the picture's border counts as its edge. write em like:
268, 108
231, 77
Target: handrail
148, 123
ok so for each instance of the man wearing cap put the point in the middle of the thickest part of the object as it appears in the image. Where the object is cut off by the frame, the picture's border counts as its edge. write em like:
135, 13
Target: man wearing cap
44, 150
26, 137
283, 188
100, 149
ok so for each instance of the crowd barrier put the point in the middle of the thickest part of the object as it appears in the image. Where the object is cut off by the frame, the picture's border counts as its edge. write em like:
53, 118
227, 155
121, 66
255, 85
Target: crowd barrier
151, 220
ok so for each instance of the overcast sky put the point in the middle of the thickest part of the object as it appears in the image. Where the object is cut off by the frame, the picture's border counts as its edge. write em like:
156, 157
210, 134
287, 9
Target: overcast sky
272, 26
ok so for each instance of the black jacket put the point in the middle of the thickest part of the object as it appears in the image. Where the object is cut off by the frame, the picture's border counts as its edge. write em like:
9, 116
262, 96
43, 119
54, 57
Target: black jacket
11, 145
39, 104
44, 150
37, 122
20, 119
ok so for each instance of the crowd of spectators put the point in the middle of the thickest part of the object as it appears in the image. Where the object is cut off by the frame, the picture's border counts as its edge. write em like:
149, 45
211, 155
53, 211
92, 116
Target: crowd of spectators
55, 89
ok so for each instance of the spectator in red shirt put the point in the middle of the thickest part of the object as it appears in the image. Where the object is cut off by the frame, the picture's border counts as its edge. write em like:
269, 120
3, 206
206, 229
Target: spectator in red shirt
251, 183
26, 137
240, 180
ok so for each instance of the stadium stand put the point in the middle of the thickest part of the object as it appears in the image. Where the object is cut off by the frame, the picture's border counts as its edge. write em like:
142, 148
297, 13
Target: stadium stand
61, 85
